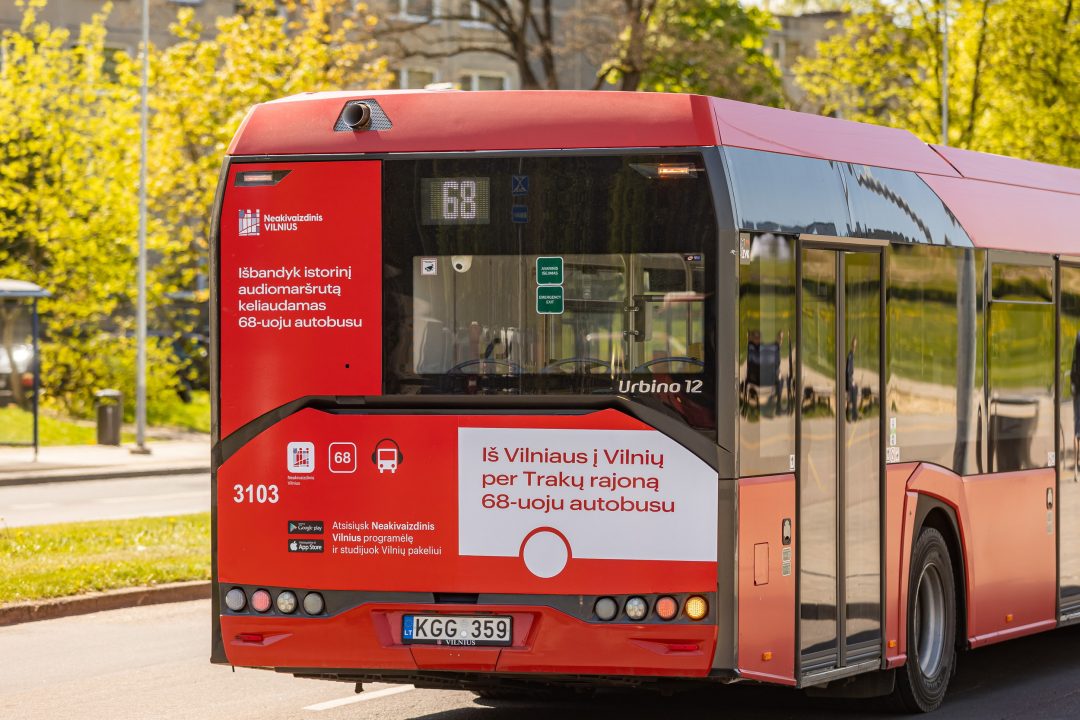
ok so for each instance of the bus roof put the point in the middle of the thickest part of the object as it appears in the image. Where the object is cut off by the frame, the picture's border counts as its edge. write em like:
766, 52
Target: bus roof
1002, 202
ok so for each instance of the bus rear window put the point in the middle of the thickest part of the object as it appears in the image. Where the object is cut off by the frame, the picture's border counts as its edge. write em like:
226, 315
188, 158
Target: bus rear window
551, 275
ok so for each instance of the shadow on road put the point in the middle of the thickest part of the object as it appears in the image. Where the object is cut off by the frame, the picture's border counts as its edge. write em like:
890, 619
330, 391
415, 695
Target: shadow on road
1036, 677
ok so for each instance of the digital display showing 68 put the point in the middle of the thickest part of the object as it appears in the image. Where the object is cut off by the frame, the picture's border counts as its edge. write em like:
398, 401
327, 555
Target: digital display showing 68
455, 201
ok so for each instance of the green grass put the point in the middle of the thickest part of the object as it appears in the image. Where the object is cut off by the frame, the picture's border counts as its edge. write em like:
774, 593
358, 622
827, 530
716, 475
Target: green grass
175, 413
17, 426
49, 561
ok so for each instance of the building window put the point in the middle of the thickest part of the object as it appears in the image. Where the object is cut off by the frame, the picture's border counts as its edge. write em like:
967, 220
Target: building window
480, 16
482, 81
415, 78
776, 50
417, 10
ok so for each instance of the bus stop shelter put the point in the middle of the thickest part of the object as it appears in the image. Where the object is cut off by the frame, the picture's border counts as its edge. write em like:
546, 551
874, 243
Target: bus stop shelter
20, 361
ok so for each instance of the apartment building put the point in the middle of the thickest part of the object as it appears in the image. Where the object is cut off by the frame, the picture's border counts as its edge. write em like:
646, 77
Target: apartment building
124, 23
796, 38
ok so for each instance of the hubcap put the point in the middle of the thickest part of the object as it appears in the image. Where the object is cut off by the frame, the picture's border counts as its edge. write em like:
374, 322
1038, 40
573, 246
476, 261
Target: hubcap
930, 621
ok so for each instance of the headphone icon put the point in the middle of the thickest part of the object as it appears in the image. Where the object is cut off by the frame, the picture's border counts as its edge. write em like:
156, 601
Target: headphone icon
381, 461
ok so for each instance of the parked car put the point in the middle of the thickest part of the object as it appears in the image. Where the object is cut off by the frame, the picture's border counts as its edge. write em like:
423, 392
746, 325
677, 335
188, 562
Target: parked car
23, 355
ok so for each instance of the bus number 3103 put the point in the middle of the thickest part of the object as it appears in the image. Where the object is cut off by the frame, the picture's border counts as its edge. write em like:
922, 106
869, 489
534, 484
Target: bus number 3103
255, 493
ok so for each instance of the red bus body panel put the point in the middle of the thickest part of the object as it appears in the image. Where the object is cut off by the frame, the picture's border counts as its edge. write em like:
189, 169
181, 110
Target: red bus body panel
463, 121
459, 545
1008, 541
899, 518
545, 641
790, 133
766, 592
1011, 217
1011, 171
263, 367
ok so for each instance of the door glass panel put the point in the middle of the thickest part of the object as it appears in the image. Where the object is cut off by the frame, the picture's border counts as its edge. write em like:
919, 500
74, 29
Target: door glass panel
1069, 485
862, 463
818, 467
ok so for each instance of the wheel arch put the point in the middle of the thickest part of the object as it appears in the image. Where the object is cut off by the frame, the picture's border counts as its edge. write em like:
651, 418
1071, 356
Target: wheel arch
932, 512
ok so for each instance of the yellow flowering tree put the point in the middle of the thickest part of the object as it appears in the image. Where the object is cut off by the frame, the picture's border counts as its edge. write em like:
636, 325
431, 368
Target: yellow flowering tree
1013, 72
69, 172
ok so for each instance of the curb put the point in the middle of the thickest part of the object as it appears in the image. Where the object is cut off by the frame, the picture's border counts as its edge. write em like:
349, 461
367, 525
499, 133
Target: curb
50, 476
96, 602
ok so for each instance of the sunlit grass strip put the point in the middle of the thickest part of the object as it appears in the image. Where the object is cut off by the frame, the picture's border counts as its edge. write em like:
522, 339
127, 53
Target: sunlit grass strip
49, 561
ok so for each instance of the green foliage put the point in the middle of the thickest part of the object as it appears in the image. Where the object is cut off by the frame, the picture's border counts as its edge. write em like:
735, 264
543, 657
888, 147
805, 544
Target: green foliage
1012, 73
174, 413
69, 173
49, 561
712, 48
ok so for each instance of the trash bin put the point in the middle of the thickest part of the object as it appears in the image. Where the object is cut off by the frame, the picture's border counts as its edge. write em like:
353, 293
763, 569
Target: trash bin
110, 414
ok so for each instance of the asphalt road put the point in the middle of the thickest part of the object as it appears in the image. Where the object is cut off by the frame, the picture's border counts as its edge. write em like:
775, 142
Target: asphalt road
151, 662
80, 500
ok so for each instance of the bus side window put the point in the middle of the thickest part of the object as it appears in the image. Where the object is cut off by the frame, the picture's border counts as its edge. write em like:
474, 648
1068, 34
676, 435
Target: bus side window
766, 355
1021, 414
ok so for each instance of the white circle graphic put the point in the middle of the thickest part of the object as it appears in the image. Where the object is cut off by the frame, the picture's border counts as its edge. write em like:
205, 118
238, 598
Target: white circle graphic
545, 554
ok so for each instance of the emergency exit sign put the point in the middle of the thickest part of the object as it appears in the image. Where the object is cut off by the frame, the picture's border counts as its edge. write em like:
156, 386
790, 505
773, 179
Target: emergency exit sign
549, 300
549, 271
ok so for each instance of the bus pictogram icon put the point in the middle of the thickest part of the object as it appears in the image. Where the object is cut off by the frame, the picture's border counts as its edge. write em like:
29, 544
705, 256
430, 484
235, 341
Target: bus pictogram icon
387, 456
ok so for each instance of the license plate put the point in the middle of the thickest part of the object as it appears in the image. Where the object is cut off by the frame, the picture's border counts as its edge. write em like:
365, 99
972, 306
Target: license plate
466, 630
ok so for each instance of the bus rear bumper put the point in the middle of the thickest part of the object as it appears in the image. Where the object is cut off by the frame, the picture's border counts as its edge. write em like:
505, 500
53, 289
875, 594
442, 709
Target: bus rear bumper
545, 641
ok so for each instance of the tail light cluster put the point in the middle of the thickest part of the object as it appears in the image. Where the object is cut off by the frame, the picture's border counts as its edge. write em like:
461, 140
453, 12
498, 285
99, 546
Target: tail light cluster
286, 602
636, 608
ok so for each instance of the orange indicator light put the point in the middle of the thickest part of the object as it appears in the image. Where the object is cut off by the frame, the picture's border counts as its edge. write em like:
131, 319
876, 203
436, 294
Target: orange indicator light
767, 655
674, 171
696, 607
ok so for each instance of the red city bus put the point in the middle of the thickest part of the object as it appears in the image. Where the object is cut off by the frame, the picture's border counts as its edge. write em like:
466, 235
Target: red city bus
526, 390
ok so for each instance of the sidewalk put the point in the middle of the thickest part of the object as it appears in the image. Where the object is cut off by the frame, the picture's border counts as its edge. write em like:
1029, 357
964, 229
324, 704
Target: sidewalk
97, 462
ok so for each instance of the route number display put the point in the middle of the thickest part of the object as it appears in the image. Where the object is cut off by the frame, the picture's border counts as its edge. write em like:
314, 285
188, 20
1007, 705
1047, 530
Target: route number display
455, 201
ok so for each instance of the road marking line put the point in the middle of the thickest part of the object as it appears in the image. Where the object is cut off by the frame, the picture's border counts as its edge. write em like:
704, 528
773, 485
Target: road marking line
167, 496
31, 506
362, 697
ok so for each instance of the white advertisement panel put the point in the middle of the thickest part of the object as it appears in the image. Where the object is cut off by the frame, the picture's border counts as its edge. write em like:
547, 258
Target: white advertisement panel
549, 495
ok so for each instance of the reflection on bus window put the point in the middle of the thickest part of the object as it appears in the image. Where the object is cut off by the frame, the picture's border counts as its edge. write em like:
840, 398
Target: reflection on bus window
766, 354
935, 379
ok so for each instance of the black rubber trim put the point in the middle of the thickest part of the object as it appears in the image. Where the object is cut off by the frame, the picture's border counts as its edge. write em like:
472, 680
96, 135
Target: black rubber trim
714, 456
447, 680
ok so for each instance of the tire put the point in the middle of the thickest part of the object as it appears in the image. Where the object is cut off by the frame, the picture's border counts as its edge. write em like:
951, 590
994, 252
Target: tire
931, 626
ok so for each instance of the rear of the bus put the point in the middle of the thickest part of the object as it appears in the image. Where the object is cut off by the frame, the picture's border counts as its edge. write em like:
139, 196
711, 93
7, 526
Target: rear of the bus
466, 392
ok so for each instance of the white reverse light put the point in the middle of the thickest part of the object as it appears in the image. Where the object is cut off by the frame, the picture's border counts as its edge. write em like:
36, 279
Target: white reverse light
637, 608
286, 602
235, 600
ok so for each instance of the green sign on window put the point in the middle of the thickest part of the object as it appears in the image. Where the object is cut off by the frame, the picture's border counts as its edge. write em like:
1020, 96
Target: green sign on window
549, 271
549, 300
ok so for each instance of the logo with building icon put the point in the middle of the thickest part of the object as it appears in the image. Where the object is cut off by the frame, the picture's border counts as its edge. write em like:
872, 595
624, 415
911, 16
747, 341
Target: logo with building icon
249, 222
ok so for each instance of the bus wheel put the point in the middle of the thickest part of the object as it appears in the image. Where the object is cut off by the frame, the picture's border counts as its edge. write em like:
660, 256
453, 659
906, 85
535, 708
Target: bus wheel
931, 627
